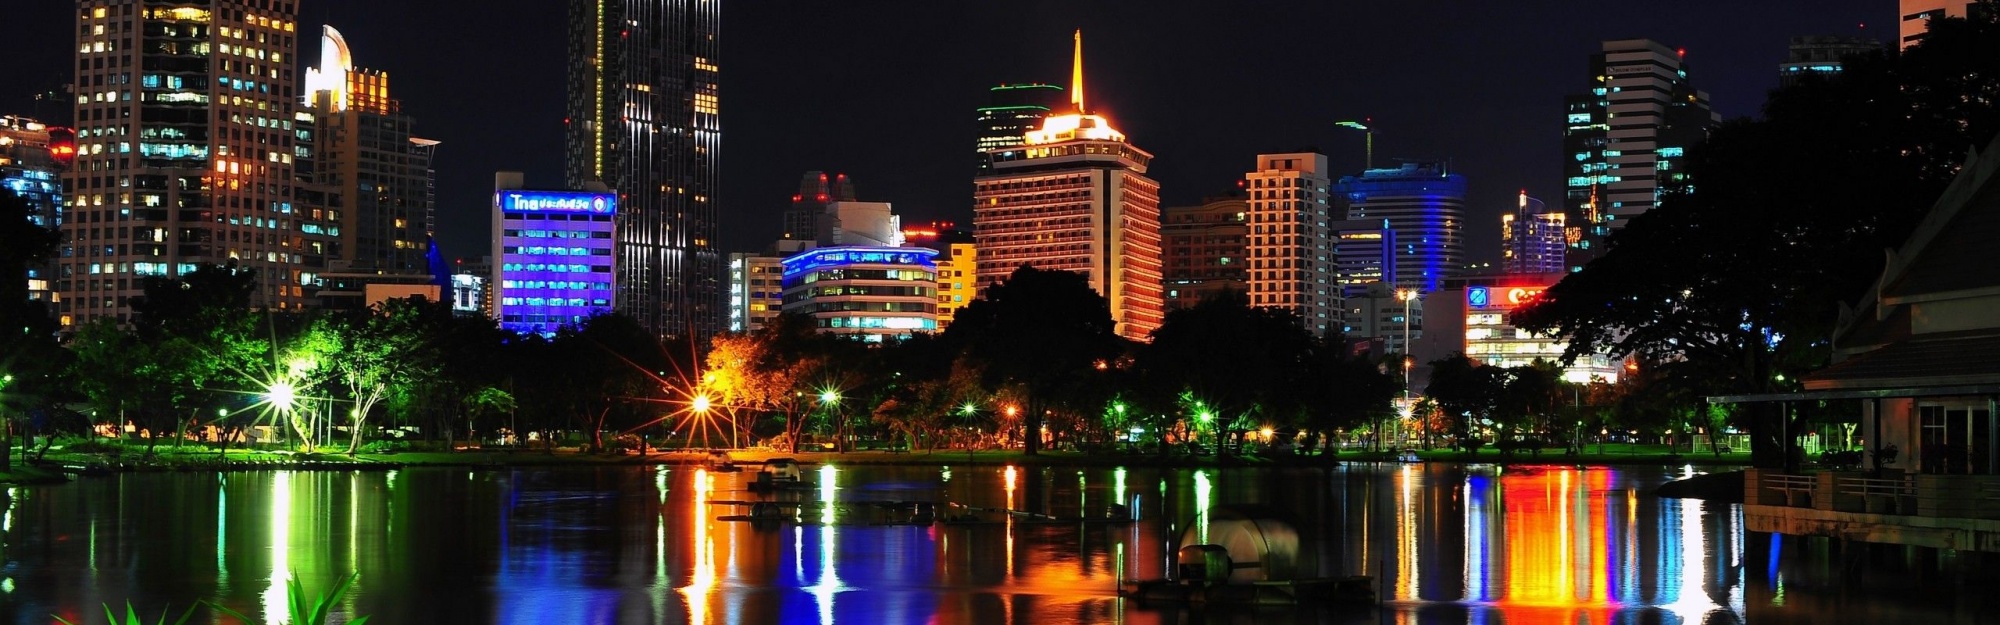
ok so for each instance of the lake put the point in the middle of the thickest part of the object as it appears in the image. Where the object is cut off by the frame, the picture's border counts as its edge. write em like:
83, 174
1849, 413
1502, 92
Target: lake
1446, 543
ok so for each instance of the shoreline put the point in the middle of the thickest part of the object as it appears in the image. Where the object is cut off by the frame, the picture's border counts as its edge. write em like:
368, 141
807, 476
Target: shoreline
59, 467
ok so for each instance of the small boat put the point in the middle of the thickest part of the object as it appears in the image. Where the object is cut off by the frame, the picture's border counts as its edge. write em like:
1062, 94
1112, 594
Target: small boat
1251, 558
720, 462
1408, 456
779, 474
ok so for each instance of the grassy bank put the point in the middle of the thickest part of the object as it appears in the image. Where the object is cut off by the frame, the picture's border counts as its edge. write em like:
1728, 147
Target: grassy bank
127, 456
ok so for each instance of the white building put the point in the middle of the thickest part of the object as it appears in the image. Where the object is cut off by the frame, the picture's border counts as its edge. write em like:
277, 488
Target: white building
1290, 246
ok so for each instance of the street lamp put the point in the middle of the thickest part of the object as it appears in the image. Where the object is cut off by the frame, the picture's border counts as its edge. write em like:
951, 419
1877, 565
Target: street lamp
1408, 296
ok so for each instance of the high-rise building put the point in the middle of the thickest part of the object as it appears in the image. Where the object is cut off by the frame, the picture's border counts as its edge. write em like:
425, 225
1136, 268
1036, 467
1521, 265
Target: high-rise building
645, 121
1917, 15
816, 191
957, 266
184, 119
1291, 248
1012, 111
1821, 55
377, 174
555, 256
1533, 238
32, 159
1204, 249
1075, 197
1364, 251
1424, 203
756, 284
1626, 138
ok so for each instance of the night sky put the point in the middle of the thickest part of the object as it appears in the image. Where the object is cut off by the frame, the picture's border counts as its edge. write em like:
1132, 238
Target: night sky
885, 90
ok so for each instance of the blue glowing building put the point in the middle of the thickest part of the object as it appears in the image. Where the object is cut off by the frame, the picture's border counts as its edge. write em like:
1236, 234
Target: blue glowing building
872, 293
554, 262
1424, 205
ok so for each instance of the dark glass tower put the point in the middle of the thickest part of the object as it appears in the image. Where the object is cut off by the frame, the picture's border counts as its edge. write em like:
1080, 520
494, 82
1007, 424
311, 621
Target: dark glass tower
644, 120
1625, 140
1012, 111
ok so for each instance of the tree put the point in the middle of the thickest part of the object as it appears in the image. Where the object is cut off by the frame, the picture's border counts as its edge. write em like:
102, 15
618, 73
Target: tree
1045, 331
1467, 392
376, 353
1774, 224
1244, 363
27, 336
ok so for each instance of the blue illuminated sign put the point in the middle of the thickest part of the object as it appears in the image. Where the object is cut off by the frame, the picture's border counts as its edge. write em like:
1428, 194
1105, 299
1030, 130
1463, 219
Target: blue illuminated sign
558, 202
1478, 297
842, 256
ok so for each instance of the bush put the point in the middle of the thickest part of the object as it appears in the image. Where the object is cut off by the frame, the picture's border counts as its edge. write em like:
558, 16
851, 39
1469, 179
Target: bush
94, 445
384, 447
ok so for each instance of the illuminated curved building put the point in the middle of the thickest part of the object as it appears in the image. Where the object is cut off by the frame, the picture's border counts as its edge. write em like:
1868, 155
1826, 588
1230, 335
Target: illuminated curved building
1424, 204
873, 293
1075, 197
376, 175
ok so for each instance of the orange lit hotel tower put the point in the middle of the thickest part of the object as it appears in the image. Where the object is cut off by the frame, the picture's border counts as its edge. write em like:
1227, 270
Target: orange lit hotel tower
1075, 197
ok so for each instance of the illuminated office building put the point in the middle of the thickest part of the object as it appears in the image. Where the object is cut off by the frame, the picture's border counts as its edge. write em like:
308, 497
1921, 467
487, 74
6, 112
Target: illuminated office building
1917, 16
1625, 141
1203, 250
554, 256
1012, 111
1378, 311
645, 121
1075, 197
1533, 238
1424, 205
756, 285
1291, 248
32, 159
1364, 252
1473, 315
870, 293
816, 191
1821, 56
377, 176
957, 266
184, 123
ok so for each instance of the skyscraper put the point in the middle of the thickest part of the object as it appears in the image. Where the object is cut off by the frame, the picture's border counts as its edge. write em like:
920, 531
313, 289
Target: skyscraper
1010, 112
184, 119
1424, 203
816, 191
1625, 139
32, 159
373, 169
1204, 249
1533, 238
645, 120
1917, 15
1291, 249
1075, 197
1821, 55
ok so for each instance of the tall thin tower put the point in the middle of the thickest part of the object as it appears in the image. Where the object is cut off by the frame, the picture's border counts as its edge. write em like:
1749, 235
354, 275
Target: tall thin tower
1075, 197
645, 121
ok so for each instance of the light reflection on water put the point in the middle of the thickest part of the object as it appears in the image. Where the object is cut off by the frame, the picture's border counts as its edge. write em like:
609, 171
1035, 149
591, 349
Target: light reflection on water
645, 545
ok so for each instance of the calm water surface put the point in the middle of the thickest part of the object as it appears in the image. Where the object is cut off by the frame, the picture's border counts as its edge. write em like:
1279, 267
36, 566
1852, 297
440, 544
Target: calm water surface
1447, 544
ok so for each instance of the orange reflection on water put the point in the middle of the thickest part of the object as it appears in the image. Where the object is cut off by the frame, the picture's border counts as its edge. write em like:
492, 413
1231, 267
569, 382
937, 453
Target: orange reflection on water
701, 584
1558, 537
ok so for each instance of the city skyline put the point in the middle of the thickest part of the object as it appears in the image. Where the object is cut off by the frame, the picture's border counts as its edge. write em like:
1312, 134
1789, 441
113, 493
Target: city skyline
508, 115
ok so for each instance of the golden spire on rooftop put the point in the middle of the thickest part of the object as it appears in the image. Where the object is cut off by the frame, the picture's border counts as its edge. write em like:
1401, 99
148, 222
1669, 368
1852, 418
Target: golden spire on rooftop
1076, 74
